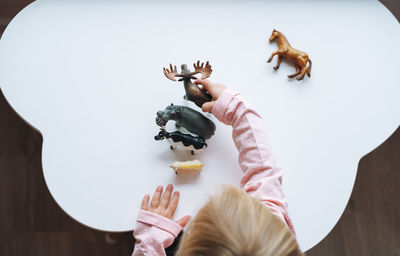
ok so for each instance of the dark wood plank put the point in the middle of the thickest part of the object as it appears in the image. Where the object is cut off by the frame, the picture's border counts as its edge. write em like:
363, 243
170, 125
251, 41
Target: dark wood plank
370, 224
31, 222
9, 8
393, 6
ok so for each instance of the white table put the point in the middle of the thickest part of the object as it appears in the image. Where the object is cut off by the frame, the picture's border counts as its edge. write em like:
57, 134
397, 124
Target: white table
88, 76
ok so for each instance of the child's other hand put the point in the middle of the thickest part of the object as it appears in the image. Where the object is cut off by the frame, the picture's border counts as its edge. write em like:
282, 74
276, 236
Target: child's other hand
215, 90
164, 205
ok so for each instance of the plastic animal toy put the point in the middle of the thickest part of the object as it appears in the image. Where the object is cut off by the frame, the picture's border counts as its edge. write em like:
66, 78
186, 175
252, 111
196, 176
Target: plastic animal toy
299, 58
187, 141
188, 167
188, 118
193, 92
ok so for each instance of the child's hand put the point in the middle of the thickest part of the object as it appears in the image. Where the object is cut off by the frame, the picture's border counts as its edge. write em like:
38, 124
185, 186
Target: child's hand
215, 90
164, 205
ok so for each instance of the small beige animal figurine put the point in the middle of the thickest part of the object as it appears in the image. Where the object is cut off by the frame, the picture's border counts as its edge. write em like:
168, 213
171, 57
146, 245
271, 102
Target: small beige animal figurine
299, 58
193, 92
188, 167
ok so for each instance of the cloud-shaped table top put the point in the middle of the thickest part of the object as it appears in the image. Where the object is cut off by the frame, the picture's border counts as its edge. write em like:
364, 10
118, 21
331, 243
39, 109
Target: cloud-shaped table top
88, 76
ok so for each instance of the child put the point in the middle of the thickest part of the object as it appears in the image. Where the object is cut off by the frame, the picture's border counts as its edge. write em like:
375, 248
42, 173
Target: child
232, 222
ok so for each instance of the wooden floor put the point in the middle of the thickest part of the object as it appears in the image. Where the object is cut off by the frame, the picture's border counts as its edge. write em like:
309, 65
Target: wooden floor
31, 223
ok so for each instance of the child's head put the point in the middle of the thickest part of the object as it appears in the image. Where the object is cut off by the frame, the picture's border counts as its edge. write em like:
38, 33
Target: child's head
232, 223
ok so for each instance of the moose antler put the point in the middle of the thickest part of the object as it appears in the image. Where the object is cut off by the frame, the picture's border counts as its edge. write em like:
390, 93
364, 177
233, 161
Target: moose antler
172, 73
204, 70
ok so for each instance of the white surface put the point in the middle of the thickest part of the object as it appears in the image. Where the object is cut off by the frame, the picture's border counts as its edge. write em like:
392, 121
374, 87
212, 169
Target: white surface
88, 76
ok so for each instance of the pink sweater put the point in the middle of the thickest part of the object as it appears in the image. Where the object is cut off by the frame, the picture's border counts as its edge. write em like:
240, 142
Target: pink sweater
261, 177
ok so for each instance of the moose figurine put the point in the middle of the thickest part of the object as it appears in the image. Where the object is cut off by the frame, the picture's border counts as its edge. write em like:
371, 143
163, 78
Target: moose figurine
187, 141
299, 58
188, 118
193, 92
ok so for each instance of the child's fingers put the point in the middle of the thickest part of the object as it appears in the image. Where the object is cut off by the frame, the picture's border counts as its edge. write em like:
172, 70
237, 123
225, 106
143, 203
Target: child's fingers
155, 201
167, 195
208, 106
207, 84
172, 205
184, 220
145, 202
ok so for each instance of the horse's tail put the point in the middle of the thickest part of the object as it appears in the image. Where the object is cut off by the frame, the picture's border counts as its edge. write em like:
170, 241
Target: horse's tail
309, 68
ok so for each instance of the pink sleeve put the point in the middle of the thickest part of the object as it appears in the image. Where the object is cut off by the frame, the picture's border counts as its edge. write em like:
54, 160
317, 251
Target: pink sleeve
262, 178
154, 233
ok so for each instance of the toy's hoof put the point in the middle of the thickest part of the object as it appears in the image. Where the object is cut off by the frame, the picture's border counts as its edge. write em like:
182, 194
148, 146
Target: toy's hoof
269, 60
171, 147
192, 152
276, 68
299, 78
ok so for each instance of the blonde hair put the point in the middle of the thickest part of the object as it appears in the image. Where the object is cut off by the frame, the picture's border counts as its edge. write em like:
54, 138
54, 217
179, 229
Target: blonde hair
233, 223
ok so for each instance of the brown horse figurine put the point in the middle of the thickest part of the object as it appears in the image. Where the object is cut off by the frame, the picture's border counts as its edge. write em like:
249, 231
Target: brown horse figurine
299, 58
